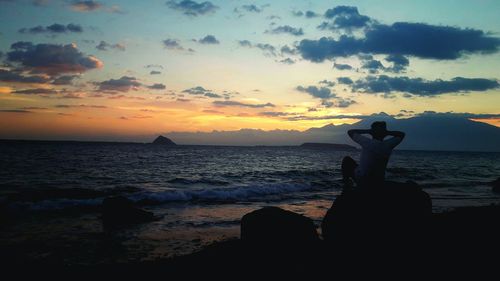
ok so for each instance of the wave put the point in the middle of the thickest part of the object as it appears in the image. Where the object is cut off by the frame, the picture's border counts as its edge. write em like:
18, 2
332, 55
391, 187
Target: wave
215, 195
220, 194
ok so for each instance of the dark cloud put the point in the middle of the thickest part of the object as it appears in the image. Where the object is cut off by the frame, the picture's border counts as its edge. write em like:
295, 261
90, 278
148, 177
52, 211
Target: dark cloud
286, 50
172, 44
400, 63
55, 28
402, 38
344, 17
51, 59
241, 104
287, 61
275, 113
345, 80
200, 91
155, 72
64, 80
154, 66
343, 103
327, 83
157, 86
123, 84
36, 91
192, 8
340, 66
15, 110
421, 87
11, 76
286, 29
79, 106
209, 39
452, 114
307, 14
373, 66
251, 8
104, 46
322, 92
86, 6
268, 49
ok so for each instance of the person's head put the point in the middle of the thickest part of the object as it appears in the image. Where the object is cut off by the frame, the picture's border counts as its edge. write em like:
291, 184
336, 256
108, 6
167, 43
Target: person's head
379, 130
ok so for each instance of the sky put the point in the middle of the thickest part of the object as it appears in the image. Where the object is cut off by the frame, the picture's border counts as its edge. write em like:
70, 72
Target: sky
129, 70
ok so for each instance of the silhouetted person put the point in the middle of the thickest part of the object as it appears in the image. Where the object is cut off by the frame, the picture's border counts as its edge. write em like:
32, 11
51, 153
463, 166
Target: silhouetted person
374, 155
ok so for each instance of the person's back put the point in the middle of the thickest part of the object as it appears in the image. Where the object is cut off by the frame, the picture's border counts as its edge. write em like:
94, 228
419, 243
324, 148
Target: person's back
374, 155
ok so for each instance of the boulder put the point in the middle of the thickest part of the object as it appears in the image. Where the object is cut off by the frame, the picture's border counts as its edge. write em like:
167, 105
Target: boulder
379, 216
118, 211
275, 228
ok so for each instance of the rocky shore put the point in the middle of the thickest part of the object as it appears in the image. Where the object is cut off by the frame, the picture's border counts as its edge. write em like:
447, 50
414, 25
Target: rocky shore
382, 227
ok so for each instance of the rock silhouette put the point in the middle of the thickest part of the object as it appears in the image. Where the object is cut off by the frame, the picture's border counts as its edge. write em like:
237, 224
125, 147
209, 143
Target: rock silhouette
161, 140
120, 211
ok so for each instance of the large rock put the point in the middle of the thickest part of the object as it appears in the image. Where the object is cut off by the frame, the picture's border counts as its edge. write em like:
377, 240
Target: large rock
164, 141
378, 216
273, 227
119, 211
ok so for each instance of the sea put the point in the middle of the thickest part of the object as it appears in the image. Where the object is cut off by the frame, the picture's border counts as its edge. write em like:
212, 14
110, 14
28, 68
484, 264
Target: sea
50, 193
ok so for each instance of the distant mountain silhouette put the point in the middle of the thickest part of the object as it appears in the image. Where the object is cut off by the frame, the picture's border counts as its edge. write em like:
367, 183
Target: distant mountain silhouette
161, 140
334, 146
446, 133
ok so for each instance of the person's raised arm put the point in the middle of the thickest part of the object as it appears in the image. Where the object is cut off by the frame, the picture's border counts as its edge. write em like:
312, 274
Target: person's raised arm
398, 134
357, 131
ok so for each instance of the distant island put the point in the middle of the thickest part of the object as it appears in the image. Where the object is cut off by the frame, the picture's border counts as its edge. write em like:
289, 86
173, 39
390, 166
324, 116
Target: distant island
334, 146
161, 140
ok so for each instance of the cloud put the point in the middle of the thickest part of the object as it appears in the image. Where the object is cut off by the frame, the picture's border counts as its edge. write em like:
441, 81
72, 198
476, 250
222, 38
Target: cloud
103, 46
200, 91
241, 104
322, 92
345, 80
373, 66
307, 14
154, 66
286, 29
451, 114
286, 50
15, 110
154, 72
157, 86
344, 17
11, 76
123, 84
268, 49
421, 87
287, 61
192, 8
400, 63
79, 106
36, 91
55, 28
51, 59
252, 8
327, 83
86, 6
209, 39
402, 38
64, 80
340, 66
173, 44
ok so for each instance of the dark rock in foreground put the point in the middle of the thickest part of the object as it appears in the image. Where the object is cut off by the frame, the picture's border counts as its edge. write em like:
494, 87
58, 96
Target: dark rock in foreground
164, 141
120, 211
273, 227
396, 212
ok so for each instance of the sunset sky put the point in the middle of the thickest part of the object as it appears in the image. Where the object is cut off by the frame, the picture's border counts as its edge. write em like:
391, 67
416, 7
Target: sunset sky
128, 70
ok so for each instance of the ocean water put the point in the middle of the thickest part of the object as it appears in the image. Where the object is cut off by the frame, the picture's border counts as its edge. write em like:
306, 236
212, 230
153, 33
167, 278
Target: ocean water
200, 192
